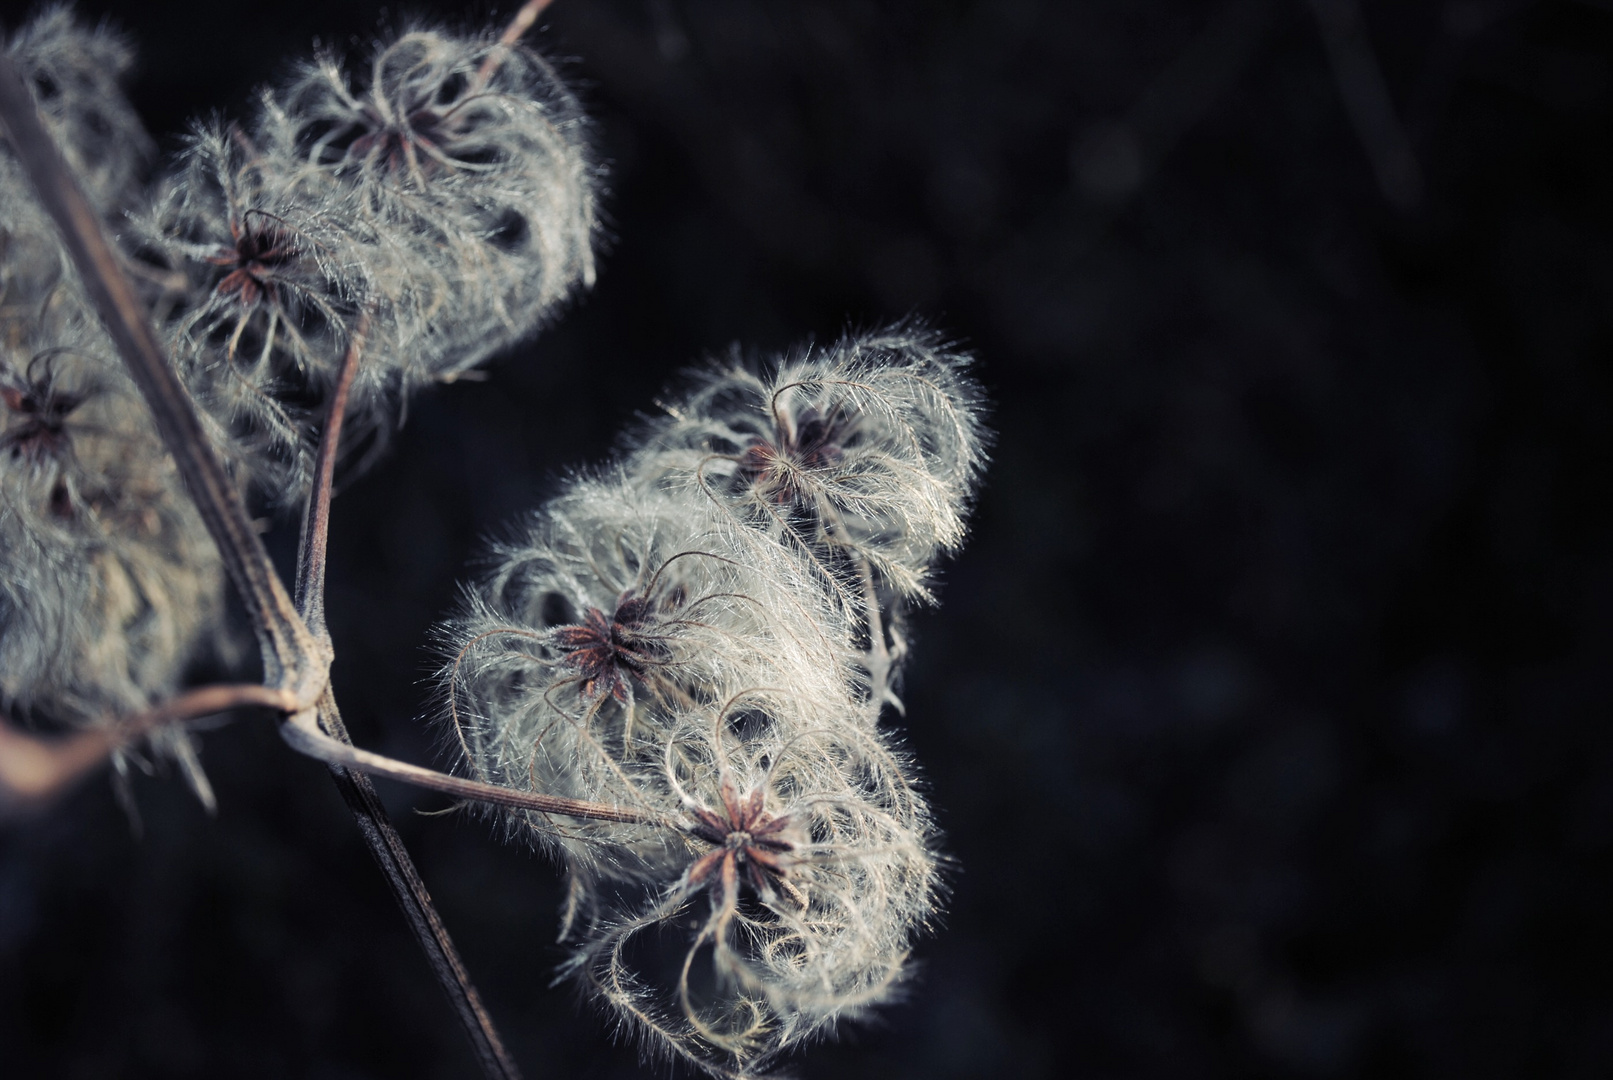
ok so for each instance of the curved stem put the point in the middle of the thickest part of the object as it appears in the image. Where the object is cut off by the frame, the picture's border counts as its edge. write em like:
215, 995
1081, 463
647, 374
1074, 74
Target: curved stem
314, 548
303, 733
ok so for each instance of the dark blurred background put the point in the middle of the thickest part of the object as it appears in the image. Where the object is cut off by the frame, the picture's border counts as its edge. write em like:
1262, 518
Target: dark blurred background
1268, 710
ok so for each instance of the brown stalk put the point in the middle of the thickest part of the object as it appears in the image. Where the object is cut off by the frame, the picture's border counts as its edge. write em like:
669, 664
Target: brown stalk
380, 836
518, 26
36, 768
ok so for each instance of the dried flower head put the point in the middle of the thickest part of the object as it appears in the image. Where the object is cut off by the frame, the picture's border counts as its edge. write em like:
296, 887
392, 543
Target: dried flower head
863, 457
672, 642
445, 209
110, 584
613, 612
261, 298
473, 155
867, 451
805, 871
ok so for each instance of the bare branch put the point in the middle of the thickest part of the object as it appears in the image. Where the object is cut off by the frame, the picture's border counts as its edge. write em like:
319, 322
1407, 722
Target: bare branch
1367, 101
418, 909
35, 769
519, 25
523, 20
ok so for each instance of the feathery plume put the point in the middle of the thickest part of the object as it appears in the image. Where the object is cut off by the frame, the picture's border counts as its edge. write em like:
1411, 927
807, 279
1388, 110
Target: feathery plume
863, 456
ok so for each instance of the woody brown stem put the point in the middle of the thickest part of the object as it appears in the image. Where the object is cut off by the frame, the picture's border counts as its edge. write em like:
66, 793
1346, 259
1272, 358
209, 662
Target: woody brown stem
408, 888
34, 769
314, 548
303, 732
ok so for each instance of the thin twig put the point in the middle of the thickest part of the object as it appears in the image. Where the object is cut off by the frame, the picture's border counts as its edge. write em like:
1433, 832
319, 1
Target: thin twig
523, 20
1367, 101
519, 25
291, 658
303, 733
34, 769
313, 551
335, 749
386, 846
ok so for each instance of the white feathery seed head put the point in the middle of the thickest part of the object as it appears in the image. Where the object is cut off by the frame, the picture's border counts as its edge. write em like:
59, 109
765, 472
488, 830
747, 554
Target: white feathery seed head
261, 298
806, 872
612, 613
442, 211
110, 582
474, 155
868, 450
673, 640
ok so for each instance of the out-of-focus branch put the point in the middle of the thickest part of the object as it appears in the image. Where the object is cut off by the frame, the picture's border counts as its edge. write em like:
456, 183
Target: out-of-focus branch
1114, 158
35, 769
517, 28
292, 659
1367, 101
523, 20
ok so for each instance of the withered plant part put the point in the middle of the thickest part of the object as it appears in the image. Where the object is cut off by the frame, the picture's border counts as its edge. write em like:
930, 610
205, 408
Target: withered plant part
76, 72
545, 692
110, 583
863, 456
804, 873
264, 296
469, 155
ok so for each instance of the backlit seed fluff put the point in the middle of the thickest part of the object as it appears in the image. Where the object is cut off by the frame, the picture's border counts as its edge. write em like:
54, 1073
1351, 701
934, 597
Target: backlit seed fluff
109, 584
473, 155
445, 210
807, 871
261, 294
610, 615
673, 640
864, 454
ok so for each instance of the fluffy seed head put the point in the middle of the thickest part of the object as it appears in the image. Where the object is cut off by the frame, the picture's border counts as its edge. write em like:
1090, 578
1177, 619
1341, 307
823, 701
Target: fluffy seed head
444, 208
473, 155
806, 870
868, 451
613, 612
110, 581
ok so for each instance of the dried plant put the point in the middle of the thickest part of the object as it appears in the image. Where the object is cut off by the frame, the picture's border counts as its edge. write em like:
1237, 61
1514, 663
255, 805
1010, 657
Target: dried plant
673, 678
862, 456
